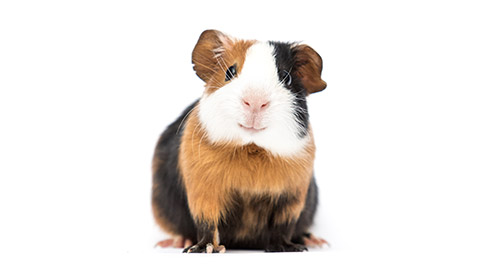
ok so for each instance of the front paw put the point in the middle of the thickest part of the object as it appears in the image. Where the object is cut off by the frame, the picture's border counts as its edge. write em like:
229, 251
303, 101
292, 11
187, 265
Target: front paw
205, 248
286, 247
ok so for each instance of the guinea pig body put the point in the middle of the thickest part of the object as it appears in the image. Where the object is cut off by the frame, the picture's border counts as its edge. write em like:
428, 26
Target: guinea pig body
236, 168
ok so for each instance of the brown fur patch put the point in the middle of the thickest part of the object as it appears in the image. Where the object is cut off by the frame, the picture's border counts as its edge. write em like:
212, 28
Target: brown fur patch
309, 68
213, 173
214, 53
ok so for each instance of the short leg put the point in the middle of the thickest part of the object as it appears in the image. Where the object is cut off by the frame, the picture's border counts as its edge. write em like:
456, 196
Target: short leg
208, 243
280, 240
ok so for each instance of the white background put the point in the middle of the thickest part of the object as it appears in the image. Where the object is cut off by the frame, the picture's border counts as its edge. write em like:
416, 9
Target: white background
86, 87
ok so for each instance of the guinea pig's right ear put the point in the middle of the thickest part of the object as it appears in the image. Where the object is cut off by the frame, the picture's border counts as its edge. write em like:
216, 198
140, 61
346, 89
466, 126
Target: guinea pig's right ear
210, 46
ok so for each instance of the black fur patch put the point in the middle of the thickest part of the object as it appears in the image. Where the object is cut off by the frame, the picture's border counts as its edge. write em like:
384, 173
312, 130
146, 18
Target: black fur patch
271, 237
168, 193
285, 60
308, 213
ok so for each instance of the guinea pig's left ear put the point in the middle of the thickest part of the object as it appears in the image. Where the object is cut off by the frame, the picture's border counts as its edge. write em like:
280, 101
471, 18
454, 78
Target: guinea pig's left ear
308, 67
209, 45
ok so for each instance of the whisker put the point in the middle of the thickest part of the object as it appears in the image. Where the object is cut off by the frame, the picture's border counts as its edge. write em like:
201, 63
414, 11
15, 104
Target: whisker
212, 70
200, 144
224, 64
194, 131
207, 67
223, 67
183, 120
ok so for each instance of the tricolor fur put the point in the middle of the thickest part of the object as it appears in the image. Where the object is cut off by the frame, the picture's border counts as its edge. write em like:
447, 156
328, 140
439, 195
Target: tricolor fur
236, 168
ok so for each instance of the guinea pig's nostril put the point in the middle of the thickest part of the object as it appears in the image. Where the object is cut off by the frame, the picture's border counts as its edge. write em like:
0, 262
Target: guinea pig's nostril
264, 105
246, 103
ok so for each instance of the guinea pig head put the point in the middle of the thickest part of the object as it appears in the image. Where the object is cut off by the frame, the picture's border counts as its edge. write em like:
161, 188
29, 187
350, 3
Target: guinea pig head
256, 91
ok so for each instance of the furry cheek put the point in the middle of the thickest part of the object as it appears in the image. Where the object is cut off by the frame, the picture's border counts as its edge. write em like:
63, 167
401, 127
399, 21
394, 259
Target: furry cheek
219, 112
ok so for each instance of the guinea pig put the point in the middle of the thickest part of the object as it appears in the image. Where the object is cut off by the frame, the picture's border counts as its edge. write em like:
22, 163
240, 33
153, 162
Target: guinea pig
235, 170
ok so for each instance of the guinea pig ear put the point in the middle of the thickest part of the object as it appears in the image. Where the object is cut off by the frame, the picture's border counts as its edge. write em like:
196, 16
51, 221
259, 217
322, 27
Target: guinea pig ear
209, 46
308, 67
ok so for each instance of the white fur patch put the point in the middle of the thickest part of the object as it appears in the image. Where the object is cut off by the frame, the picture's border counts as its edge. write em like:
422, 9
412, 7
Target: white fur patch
221, 112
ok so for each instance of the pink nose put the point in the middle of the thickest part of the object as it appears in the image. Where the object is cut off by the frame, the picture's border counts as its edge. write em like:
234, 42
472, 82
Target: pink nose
255, 105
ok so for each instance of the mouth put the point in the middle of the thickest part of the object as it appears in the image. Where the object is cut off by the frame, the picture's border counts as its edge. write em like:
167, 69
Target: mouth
251, 129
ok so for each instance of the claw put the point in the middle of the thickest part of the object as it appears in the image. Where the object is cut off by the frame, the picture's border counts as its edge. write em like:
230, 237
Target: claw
313, 241
208, 248
175, 242
188, 243
191, 249
164, 243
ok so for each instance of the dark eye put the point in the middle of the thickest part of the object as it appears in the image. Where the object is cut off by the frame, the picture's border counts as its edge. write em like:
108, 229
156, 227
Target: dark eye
231, 72
286, 77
